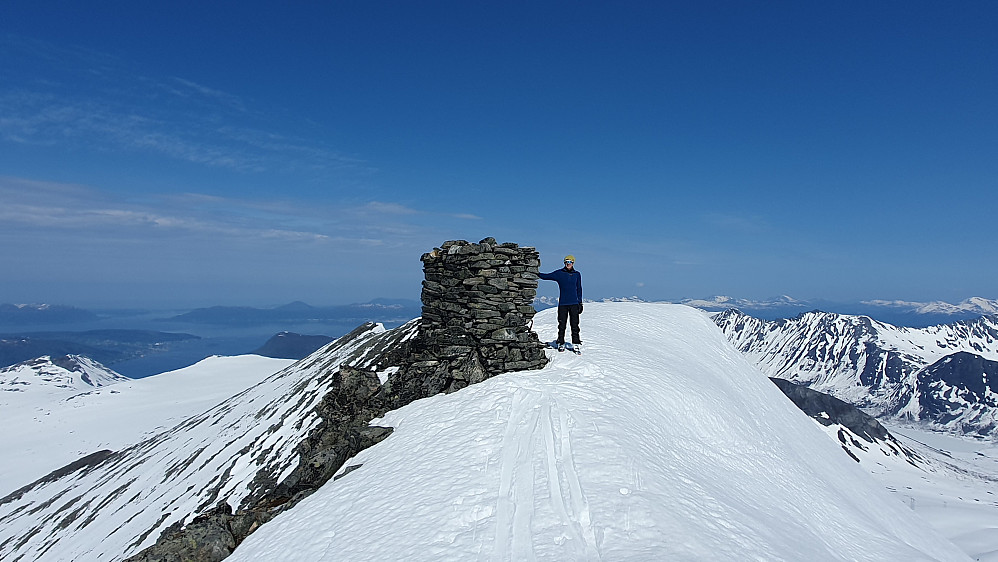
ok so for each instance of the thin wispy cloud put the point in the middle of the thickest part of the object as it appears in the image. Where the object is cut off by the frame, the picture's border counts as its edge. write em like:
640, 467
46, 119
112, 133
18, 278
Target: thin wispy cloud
83, 212
99, 103
185, 88
737, 223
378, 207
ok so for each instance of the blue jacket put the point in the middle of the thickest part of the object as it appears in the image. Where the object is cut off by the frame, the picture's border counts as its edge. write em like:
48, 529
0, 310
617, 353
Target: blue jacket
569, 285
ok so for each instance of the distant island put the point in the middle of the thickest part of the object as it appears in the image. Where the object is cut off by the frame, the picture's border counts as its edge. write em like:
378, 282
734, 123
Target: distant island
289, 345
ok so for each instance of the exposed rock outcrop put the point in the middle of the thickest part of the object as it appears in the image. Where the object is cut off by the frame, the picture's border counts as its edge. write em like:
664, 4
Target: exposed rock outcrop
857, 430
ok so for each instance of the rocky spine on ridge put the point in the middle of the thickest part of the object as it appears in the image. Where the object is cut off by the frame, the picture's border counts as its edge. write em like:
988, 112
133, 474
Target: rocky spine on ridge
476, 324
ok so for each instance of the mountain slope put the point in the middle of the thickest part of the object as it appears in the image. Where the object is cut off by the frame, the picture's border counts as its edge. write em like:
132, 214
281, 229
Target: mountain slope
660, 442
55, 430
861, 436
121, 501
956, 393
854, 358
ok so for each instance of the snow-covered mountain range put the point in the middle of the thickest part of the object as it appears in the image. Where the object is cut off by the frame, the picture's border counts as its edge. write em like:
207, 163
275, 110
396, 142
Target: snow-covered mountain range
896, 312
721, 302
661, 442
973, 305
69, 374
892, 370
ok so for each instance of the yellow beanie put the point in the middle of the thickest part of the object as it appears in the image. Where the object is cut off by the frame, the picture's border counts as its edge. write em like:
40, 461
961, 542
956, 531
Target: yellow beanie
570, 257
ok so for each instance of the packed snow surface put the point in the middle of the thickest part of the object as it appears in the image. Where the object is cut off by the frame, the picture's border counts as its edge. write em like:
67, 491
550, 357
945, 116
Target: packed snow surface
661, 442
53, 430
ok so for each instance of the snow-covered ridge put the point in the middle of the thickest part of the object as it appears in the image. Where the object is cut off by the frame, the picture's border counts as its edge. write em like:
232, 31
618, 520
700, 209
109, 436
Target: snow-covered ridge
660, 442
69, 374
722, 302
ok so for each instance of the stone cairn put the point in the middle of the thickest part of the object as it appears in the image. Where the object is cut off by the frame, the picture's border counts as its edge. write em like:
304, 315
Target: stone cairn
477, 317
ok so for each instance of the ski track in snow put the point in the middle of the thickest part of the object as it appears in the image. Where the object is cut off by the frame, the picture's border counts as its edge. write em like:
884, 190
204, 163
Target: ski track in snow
539, 427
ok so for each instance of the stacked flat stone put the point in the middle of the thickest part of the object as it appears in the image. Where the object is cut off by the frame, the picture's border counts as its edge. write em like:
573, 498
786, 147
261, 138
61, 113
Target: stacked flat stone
478, 297
477, 316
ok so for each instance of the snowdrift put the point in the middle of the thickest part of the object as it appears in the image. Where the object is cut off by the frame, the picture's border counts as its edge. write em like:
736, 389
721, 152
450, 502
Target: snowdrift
660, 443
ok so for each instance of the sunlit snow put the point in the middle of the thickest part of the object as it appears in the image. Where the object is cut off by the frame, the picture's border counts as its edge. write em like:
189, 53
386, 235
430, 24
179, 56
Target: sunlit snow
660, 443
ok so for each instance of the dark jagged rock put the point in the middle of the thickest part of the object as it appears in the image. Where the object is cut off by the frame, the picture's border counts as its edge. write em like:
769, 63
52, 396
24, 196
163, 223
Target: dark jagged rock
476, 324
343, 432
855, 425
815, 404
210, 537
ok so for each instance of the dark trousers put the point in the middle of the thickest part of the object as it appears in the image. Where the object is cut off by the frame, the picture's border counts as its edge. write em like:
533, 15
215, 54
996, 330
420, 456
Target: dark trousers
569, 311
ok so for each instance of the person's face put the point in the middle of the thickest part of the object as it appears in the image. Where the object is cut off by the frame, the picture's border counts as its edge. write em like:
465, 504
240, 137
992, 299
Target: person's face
569, 264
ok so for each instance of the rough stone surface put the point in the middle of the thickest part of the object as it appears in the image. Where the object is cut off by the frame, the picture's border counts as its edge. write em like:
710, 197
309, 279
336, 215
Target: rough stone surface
477, 318
210, 537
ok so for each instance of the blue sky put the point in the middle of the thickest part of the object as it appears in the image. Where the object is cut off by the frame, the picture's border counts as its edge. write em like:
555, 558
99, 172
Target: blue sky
190, 153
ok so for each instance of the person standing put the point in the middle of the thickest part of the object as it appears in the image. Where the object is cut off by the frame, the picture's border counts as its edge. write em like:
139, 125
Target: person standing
569, 301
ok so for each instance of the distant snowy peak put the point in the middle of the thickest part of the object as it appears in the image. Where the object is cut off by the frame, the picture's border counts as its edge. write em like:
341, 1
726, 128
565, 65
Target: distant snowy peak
619, 299
69, 373
723, 302
541, 303
973, 305
833, 353
958, 393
